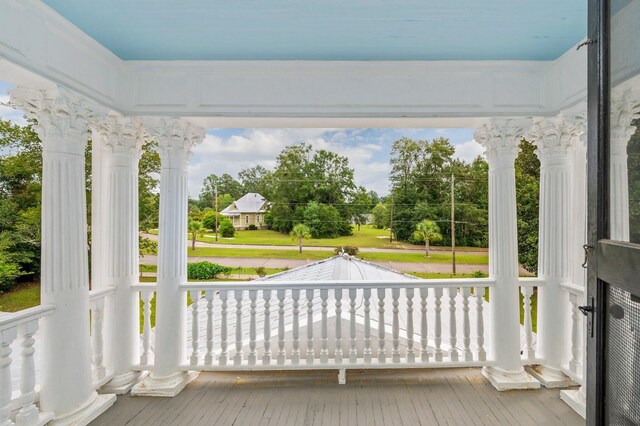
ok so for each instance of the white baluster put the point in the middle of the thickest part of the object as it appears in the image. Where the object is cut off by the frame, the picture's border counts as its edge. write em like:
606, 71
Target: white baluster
438, 326
252, 327
382, 354
353, 353
6, 338
338, 352
310, 353
266, 356
29, 413
411, 353
208, 358
324, 351
224, 334
575, 365
195, 327
395, 327
453, 350
466, 326
367, 325
237, 358
295, 346
281, 353
528, 351
424, 331
97, 342
147, 296
479, 291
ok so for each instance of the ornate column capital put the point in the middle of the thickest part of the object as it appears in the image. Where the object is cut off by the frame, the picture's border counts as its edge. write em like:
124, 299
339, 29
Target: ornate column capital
176, 139
122, 135
501, 139
625, 107
556, 137
62, 117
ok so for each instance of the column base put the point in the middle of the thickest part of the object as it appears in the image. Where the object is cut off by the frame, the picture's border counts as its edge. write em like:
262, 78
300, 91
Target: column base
504, 380
574, 399
33, 417
123, 383
550, 377
97, 405
168, 386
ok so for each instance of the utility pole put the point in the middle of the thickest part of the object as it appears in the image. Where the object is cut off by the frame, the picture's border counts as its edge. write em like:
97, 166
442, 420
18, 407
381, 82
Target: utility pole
391, 220
215, 203
453, 226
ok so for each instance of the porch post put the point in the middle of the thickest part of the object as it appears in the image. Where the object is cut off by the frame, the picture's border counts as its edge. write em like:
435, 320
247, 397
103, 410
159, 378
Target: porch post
501, 138
175, 140
122, 138
66, 386
625, 106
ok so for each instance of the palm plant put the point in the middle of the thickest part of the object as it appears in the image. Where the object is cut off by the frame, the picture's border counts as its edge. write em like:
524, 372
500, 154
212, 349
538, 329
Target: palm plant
429, 232
195, 228
300, 232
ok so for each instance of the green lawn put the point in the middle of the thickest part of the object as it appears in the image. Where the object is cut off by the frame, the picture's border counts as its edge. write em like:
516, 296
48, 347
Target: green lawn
435, 257
234, 271
22, 297
367, 236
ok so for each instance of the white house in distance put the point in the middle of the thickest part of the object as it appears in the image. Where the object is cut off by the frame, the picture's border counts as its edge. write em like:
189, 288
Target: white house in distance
246, 211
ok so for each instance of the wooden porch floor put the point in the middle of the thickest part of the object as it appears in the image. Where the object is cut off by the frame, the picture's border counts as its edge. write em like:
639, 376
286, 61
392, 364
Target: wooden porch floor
399, 397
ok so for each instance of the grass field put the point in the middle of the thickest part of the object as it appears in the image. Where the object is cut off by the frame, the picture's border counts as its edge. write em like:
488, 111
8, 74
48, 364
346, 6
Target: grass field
368, 236
435, 257
22, 297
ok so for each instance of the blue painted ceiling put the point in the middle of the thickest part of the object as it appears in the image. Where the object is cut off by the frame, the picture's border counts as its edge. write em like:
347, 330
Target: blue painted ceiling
330, 29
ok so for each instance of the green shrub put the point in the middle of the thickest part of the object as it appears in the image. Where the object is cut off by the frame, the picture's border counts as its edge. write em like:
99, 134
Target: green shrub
252, 227
261, 271
206, 270
350, 250
478, 274
226, 228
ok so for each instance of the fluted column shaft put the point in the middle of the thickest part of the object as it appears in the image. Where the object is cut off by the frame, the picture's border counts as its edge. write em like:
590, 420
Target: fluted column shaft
501, 140
555, 139
122, 148
66, 384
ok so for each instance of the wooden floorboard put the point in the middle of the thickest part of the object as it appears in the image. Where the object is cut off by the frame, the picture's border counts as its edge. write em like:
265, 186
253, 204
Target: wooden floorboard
458, 396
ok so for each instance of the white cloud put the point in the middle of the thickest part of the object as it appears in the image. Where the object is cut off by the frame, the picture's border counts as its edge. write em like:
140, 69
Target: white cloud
468, 151
16, 116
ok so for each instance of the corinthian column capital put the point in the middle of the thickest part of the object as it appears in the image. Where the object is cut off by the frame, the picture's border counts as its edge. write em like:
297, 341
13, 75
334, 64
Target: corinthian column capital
122, 135
556, 137
61, 117
501, 139
176, 139
625, 107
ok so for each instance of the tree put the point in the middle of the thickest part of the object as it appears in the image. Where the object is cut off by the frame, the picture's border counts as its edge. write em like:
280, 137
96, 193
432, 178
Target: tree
300, 232
428, 232
380, 216
255, 179
527, 167
323, 221
195, 228
209, 220
361, 206
226, 185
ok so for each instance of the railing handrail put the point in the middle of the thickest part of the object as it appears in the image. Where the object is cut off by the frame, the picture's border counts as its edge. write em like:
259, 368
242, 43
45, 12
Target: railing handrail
531, 281
99, 293
25, 315
573, 288
340, 284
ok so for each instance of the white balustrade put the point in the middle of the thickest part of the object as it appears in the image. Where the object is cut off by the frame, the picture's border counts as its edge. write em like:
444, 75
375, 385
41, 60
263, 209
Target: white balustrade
147, 296
195, 327
208, 358
295, 351
395, 328
222, 358
424, 331
453, 350
338, 352
97, 303
528, 352
479, 293
466, 328
237, 358
266, 356
22, 326
438, 328
575, 347
281, 352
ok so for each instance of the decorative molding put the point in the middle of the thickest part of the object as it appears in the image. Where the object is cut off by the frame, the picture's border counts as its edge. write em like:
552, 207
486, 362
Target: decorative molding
556, 137
122, 135
501, 139
61, 117
175, 137
625, 106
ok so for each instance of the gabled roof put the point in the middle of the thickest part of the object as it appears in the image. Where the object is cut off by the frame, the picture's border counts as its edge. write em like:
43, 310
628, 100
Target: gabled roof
340, 267
251, 202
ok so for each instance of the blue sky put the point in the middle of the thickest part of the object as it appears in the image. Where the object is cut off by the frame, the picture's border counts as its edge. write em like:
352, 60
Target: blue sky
231, 150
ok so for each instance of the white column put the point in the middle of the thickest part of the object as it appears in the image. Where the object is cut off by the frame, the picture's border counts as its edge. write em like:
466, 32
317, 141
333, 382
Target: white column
175, 140
122, 139
66, 386
624, 108
555, 139
501, 138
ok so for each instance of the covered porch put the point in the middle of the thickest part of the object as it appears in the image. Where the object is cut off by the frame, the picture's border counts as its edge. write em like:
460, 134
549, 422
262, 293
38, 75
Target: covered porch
306, 335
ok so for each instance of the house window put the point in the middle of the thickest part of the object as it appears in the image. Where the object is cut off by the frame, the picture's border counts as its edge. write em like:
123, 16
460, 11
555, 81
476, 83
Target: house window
246, 219
258, 218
